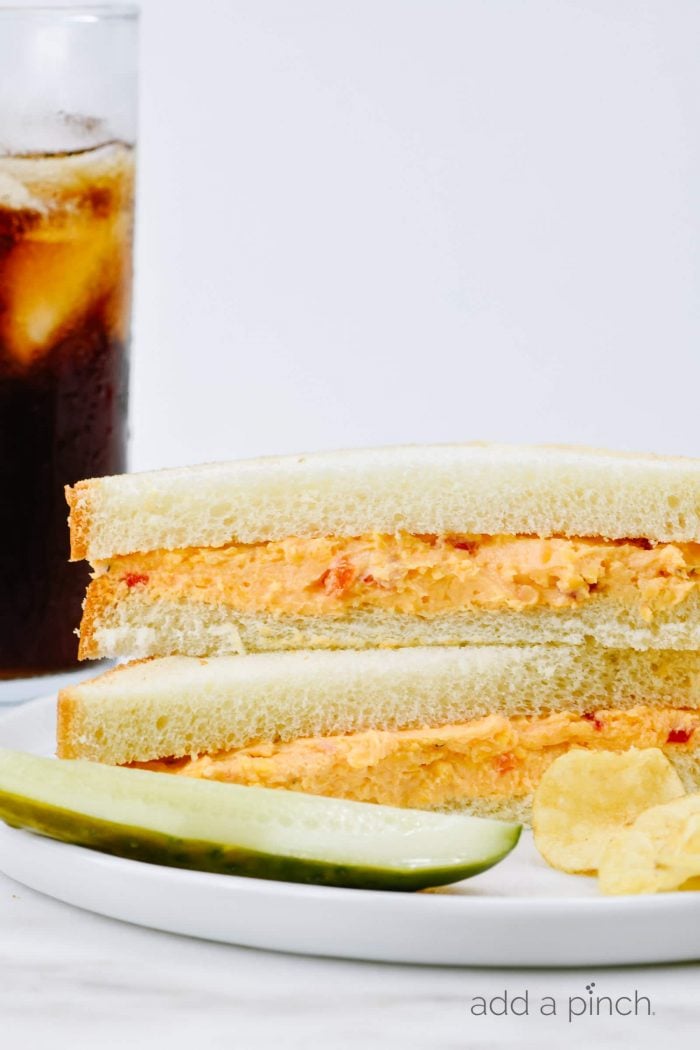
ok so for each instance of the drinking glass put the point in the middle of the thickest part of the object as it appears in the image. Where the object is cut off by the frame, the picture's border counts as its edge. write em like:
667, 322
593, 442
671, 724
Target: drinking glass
67, 150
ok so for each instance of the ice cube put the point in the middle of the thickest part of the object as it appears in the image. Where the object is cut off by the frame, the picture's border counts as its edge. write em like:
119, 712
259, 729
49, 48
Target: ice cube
15, 195
49, 283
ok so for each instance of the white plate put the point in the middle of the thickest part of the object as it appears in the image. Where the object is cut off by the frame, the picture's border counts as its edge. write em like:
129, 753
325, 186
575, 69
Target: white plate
17, 690
520, 913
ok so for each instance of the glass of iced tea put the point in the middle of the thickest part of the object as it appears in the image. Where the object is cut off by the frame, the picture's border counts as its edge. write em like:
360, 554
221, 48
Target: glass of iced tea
67, 137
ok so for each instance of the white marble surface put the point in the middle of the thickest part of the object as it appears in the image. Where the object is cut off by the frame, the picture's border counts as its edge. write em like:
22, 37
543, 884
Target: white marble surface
69, 978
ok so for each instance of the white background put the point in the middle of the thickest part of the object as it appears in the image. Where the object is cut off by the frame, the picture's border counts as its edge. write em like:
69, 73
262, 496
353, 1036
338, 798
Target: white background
379, 221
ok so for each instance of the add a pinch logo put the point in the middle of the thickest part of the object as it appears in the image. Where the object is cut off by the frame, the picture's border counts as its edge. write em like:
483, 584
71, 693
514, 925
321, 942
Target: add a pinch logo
590, 1003
595, 1005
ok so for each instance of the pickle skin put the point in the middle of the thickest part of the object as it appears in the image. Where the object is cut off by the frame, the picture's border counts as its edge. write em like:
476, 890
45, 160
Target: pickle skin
154, 847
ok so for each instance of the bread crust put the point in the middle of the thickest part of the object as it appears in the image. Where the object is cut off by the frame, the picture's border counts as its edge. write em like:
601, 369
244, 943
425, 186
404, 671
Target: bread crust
96, 611
78, 500
66, 707
476, 488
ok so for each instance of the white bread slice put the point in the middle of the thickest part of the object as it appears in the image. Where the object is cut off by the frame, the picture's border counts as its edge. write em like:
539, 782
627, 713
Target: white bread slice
490, 489
134, 628
180, 705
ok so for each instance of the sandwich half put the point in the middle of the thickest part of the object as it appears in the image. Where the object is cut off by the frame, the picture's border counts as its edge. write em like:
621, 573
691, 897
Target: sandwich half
412, 546
442, 728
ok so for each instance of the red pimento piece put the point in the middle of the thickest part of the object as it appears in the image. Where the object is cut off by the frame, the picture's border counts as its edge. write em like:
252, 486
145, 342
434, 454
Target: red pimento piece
591, 716
506, 762
369, 578
338, 578
679, 736
131, 579
464, 545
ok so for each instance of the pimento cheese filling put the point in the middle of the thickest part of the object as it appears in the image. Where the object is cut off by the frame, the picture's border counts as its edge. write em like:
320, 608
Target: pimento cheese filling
404, 573
490, 757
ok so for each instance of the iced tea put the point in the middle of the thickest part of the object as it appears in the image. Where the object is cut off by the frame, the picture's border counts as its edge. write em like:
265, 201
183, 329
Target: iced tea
66, 225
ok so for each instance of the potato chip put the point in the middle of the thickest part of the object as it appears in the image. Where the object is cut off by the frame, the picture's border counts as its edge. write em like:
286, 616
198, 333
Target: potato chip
586, 797
660, 851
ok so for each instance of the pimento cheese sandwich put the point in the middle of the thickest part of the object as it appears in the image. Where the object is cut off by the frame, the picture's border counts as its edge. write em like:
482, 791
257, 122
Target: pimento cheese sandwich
446, 728
433, 545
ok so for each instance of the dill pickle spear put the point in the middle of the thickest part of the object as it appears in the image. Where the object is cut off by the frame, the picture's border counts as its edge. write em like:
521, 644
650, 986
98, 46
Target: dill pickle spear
230, 829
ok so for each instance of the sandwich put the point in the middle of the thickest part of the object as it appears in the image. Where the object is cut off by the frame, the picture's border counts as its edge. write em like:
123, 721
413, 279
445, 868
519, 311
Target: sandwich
448, 728
392, 548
